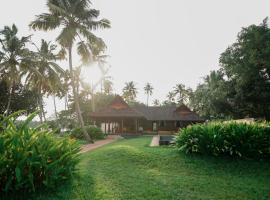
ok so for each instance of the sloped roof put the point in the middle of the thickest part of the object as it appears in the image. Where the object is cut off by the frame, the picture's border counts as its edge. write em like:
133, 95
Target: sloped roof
117, 108
168, 113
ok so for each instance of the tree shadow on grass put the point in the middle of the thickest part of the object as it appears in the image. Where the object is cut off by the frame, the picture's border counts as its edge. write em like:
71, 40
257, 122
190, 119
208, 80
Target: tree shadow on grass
68, 190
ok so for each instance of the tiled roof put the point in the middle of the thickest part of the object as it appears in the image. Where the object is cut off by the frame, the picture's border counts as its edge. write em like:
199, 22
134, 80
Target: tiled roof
119, 108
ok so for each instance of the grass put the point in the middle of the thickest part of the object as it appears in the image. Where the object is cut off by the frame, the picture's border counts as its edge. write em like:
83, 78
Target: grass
130, 169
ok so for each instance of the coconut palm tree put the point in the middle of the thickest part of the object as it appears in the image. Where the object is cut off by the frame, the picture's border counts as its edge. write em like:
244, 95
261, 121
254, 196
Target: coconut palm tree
171, 97
15, 58
76, 20
156, 102
47, 81
148, 90
107, 85
130, 91
182, 93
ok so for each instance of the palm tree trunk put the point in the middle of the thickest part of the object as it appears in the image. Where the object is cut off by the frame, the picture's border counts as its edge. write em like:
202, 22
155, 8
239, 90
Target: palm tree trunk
11, 91
41, 108
54, 103
43, 112
76, 99
66, 102
147, 99
40, 105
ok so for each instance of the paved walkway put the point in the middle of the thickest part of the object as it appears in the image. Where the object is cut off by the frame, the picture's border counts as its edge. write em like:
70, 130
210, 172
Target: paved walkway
155, 141
100, 143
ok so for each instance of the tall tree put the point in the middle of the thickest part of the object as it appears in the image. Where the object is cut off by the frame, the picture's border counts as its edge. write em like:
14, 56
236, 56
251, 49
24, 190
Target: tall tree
22, 99
15, 58
108, 86
47, 81
148, 91
211, 98
246, 65
182, 93
156, 102
77, 21
171, 97
130, 91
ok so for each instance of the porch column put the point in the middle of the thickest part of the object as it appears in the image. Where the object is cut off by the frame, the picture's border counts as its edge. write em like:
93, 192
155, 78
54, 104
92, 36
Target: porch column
122, 125
136, 125
105, 127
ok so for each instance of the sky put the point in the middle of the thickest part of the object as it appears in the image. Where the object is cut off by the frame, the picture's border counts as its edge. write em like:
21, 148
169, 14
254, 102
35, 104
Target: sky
156, 41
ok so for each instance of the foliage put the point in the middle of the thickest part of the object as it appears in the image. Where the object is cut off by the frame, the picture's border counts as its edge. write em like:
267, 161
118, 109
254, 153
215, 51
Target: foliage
32, 158
181, 93
93, 131
130, 91
241, 88
212, 98
227, 138
22, 98
77, 20
148, 89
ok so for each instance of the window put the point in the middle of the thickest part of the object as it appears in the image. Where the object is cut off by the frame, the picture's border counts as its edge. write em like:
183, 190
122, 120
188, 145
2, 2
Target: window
178, 124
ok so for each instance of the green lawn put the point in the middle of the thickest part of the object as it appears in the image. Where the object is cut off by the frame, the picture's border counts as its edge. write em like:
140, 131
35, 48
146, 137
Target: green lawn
130, 169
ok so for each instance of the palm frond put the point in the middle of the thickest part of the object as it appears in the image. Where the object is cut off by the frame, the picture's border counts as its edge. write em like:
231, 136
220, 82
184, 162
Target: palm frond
46, 22
67, 36
84, 52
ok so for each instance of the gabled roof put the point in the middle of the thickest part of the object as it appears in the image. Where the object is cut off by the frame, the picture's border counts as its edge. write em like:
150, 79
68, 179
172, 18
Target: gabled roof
168, 113
117, 108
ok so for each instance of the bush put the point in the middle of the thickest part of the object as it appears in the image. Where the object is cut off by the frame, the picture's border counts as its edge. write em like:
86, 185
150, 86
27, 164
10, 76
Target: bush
94, 132
31, 158
232, 139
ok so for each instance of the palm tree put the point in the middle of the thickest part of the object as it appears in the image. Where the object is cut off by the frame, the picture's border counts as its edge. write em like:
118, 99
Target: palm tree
77, 20
15, 58
107, 85
148, 90
171, 96
130, 91
47, 81
156, 102
182, 93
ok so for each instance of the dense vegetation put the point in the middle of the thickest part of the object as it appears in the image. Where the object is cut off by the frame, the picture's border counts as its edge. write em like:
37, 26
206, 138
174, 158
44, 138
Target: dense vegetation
241, 87
94, 132
33, 158
230, 139
130, 169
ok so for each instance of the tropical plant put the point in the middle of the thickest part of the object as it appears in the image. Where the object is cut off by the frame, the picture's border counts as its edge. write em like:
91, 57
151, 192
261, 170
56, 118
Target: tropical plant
130, 91
22, 98
156, 102
108, 85
228, 138
32, 158
148, 91
77, 20
47, 80
182, 93
15, 59
94, 132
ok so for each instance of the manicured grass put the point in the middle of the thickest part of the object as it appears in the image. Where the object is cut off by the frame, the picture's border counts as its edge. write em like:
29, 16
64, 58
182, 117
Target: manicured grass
130, 169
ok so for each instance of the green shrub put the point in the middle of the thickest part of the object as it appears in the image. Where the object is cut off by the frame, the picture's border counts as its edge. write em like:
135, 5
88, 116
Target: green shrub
93, 131
233, 139
31, 158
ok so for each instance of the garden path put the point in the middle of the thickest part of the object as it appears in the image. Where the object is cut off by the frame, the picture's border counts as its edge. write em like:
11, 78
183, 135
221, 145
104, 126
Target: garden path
100, 143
